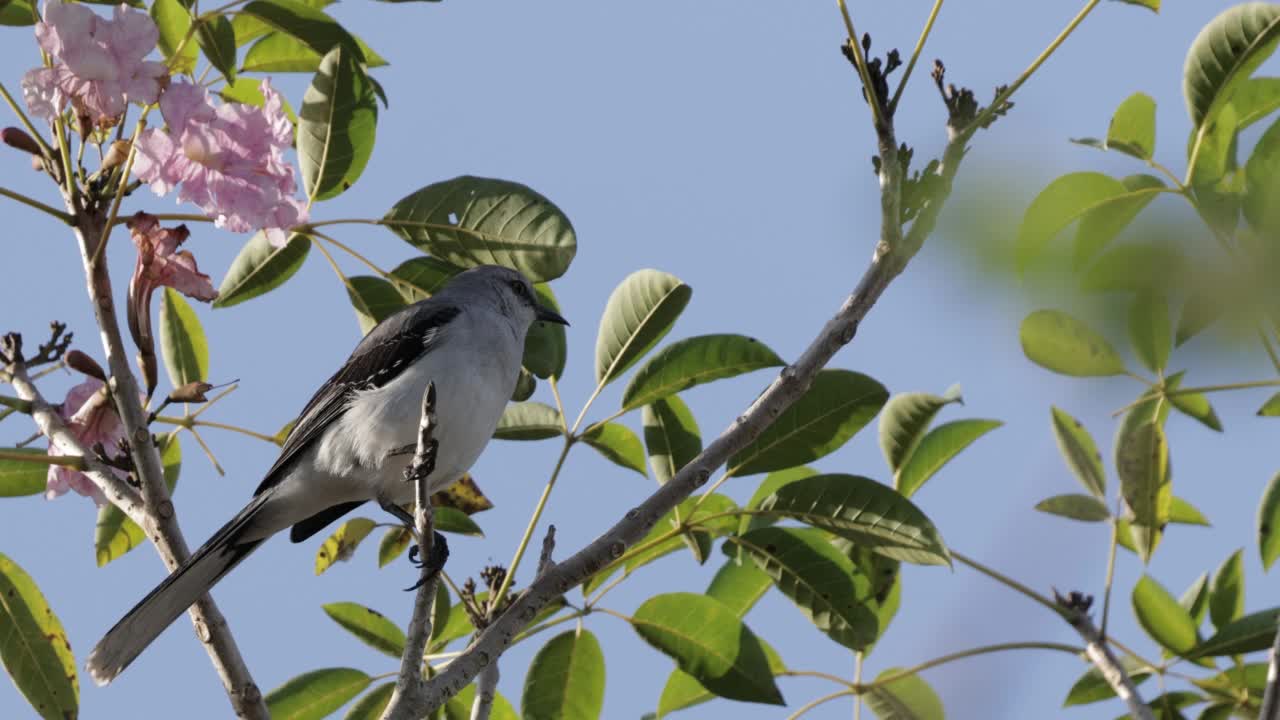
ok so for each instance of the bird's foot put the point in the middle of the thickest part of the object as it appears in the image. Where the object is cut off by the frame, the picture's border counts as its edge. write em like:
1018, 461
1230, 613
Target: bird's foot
434, 562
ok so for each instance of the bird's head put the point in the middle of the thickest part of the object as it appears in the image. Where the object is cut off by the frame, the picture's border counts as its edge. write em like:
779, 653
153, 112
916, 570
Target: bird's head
508, 289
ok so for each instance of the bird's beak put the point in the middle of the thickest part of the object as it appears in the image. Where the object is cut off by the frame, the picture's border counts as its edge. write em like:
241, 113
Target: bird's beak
546, 314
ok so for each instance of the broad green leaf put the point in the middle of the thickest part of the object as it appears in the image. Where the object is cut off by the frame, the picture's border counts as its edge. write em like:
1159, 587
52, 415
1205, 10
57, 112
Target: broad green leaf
836, 406
1058, 342
937, 449
173, 20
1194, 405
640, 312
1057, 206
1269, 523
1250, 633
1202, 309
907, 697
217, 39
1080, 452
1092, 687
336, 125
1150, 332
1225, 54
370, 626
671, 436
34, 648
308, 23
393, 544
1184, 513
904, 421
529, 421
469, 221
373, 299
739, 585
767, 488
316, 694
1136, 267
1262, 183
17, 13
1196, 599
421, 277
1271, 408
182, 341
618, 443
459, 706
1218, 711
260, 268
373, 704
452, 520
1255, 99
342, 542
710, 643
280, 52
1226, 591
249, 28
1167, 622
1142, 462
1086, 508
19, 478
1133, 127
694, 361
820, 580
1101, 224
545, 347
526, 384
115, 534
683, 691
565, 680
864, 511
1213, 159
1245, 678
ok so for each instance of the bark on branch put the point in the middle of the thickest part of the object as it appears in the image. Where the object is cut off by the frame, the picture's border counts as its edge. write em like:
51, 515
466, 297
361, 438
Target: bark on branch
1099, 653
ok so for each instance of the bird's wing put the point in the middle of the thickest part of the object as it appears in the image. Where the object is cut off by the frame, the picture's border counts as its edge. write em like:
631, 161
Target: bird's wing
391, 347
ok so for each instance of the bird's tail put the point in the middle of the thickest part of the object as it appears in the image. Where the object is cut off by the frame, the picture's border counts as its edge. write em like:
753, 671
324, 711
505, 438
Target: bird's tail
193, 578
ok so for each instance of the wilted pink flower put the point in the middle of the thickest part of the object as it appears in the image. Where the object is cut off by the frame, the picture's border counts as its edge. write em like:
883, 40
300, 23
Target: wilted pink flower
98, 63
228, 159
92, 418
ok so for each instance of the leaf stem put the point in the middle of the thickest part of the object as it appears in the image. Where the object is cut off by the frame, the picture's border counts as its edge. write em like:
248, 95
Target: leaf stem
207, 450
333, 264
1009, 582
1157, 392
361, 258
124, 180
820, 701
71, 461
858, 656
16, 404
972, 652
32, 202
911, 64
190, 422
1111, 571
177, 217
630, 553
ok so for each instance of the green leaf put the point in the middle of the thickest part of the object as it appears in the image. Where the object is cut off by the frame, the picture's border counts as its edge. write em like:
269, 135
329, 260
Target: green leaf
115, 534
1218, 711
1058, 205
306, 22
1085, 508
393, 544
1101, 224
739, 585
459, 706
683, 691
1093, 687
1184, 513
1136, 267
1142, 462
260, 268
836, 406
373, 704
314, 695
1250, 633
1133, 127
370, 626
1269, 523
249, 28
1167, 622
1255, 99
452, 520
618, 444
173, 20
441, 608
1202, 309
469, 221
1225, 54
1194, 405
937, 449
34, 647
1262, 183
342, 542
545, 347
671, 436
1226, 591
1271, 408
640, 312
1080, 452
529, 421
182, 341
373, 299
766, 489
424, 276
1058, 342
694, 361
565, 680
710, 643
1152, 5
820, 580
1214, 158
1150, 331
217, 39
908, 697
904, 421
337, 124
19, 478
526, 384
280, 52
17, 13
1196, 599
864, 511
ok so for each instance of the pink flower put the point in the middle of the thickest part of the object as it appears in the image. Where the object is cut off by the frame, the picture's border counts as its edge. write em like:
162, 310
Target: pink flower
98, 63
92, 418
228, 159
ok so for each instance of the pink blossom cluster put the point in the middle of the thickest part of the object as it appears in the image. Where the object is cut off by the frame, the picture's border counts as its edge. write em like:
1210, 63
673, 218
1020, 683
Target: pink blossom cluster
98, 64
92, 418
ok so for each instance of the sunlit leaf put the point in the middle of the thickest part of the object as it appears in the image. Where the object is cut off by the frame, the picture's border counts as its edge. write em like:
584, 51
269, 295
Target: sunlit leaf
1136, 267
280, 52
1262, 183
1102, 223
618, 443
1194, 405
565, 680
316, 694
1058, 342
1058, 205
1225, 54
1086, 508
1142, 462
34, 648
393, 544
261, 267
529, 421
342, 542
1196, 599
336, 125
19, 478
936, 449
1093, 687
1167, 622
1133, 127
1269, 523
683, 691
1080, 452
173, 20
671, 436
694, 361
370, 626
1250, 633
907, 697
460, 705
114, 533
905, 420
373, 704
182, 341
1150, 331
640, 312
1226, 591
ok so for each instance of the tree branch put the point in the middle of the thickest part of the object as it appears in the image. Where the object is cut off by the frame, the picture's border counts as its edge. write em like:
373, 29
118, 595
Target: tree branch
486, 689
1270, 709
160, 521
1077, 614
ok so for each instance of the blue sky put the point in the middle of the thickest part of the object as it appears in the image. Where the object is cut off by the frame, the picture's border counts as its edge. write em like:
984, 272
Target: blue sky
726, 143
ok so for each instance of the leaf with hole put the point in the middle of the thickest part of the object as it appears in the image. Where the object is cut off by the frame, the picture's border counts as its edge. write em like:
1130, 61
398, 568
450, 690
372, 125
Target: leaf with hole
694, 361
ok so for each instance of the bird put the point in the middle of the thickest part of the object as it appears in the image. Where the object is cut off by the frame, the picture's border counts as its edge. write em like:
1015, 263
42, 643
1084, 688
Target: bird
355, 437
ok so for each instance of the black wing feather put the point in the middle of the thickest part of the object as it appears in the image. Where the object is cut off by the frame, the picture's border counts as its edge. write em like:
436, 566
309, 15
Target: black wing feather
392, 346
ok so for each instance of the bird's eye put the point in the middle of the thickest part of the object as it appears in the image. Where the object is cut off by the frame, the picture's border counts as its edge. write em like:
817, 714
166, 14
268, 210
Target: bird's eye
519, 289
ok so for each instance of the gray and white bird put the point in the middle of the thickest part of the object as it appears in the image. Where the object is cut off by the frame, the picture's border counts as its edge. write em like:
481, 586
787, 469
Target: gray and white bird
348, 446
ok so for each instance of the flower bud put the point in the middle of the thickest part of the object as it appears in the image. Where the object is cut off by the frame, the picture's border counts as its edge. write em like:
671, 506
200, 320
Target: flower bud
16, 138
78, 361
116, 154
192, 392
